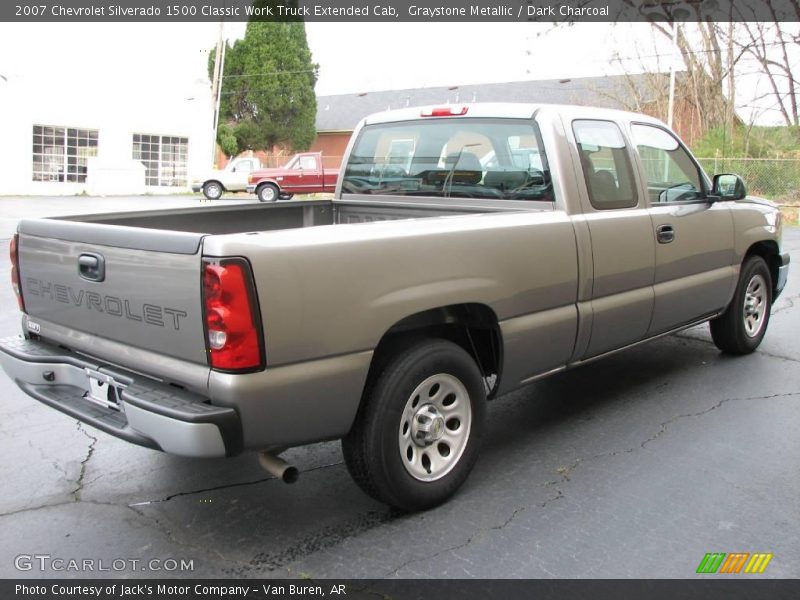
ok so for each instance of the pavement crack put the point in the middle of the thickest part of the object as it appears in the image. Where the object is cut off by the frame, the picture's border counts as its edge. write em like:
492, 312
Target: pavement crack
665, 424
156, 523
320, 539
566, 471
26, 509
761, 351
76, 493
455, 548
226, 486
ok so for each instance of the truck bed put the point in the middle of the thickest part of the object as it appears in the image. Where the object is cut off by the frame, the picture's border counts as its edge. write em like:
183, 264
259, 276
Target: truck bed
241, 218
149, 296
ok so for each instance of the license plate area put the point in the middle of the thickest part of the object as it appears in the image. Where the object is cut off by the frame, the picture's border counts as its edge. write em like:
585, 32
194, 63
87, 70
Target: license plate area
103, 389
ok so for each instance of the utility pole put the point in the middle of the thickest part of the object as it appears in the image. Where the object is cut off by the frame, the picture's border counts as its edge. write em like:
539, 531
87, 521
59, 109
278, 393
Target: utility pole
216, 88
671, 106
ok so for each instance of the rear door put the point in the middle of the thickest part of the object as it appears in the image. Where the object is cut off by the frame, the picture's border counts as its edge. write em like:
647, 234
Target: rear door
694, 275
136, 286
623, 252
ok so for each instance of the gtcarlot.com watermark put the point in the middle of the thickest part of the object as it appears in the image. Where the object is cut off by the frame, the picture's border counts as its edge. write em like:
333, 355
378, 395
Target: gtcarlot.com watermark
47, 562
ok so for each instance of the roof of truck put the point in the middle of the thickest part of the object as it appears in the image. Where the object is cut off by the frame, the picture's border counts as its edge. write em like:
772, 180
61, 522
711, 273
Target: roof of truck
506, 110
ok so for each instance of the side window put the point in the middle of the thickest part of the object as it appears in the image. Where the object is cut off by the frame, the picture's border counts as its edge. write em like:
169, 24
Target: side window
308, 163
672, 175
244, 166
606, 165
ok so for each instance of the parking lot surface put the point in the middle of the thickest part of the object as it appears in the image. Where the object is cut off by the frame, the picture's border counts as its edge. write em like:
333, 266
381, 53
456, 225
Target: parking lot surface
633, 466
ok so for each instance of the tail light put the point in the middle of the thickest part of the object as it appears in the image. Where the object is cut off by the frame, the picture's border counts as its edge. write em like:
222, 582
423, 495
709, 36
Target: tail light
233, 322
15, 281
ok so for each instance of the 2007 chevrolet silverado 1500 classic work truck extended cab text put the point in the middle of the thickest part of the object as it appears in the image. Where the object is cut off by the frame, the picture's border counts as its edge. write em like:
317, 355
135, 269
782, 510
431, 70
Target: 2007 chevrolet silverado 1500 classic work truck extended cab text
469, 250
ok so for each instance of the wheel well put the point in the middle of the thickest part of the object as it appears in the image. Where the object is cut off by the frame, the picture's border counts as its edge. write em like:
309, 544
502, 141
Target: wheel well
768, 250
219, 183
473, 327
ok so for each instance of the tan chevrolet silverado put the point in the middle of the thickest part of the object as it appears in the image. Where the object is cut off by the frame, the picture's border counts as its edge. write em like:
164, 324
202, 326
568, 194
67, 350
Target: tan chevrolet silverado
469, 250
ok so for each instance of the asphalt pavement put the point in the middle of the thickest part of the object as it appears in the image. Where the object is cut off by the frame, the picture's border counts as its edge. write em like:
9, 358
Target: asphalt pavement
633, 466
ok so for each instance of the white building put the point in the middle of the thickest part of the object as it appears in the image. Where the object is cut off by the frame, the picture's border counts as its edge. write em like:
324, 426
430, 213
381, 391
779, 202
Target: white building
104, 109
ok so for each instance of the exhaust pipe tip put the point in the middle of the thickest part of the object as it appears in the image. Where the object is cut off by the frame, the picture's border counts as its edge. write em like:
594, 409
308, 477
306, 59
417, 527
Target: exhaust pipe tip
290, 475
278, 467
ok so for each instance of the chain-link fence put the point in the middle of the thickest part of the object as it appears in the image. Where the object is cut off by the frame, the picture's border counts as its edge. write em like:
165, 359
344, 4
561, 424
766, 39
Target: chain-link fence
777, 179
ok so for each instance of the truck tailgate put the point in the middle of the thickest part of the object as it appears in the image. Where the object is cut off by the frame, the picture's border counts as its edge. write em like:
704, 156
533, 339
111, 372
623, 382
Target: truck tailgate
135, 286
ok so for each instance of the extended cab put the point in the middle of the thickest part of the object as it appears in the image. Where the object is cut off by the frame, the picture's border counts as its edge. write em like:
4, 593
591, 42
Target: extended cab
233, 178
303, 174
468, 251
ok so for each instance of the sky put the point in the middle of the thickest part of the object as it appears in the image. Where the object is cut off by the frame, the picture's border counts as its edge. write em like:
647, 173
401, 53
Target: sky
354, 58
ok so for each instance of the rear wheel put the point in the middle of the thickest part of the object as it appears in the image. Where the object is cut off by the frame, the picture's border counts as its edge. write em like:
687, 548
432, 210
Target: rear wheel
740, 329
417, 434
212, 190
267, 192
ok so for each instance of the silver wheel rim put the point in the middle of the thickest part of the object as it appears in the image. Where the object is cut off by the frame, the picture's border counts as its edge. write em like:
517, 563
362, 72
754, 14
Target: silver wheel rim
268, 194
434, 427
755, 306
213, 191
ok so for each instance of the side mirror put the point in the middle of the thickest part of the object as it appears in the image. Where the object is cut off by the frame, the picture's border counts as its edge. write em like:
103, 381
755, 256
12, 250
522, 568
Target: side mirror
729, 186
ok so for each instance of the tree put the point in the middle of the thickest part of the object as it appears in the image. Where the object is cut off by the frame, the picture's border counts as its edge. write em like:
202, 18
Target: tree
226, 138
774, 45
267, 96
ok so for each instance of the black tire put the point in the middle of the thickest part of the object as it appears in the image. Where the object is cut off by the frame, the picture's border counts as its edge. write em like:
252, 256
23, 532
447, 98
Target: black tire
372, 449
740, 329
213, 190
267, 192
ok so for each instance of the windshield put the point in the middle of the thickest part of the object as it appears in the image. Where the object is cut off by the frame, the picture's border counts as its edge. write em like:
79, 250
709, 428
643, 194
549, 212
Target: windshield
460, 158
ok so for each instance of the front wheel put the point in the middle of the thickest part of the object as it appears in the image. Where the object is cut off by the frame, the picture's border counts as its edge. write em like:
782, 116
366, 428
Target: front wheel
212, 190
417, 434
740, 329
268, 192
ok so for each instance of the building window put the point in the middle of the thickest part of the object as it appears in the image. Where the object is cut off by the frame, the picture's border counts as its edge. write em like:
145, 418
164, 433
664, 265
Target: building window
164, 158
60, 153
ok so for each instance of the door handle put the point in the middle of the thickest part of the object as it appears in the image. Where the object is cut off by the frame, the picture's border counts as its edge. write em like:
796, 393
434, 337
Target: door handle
665, 234
92, 267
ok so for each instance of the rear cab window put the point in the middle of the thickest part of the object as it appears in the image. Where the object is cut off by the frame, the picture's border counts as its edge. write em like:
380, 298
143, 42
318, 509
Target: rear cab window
499, 159
606, 164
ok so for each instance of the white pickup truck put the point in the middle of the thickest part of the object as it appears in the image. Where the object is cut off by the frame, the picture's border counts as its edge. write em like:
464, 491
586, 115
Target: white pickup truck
233, 178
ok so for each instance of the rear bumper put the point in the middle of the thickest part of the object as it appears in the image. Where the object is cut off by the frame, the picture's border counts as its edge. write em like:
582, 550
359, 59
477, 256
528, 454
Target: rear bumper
143, 411
197, 187
783, 273
251, 188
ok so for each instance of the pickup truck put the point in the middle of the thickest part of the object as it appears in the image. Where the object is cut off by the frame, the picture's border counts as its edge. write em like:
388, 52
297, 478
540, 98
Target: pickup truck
439, 276
303, 174
233, 178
